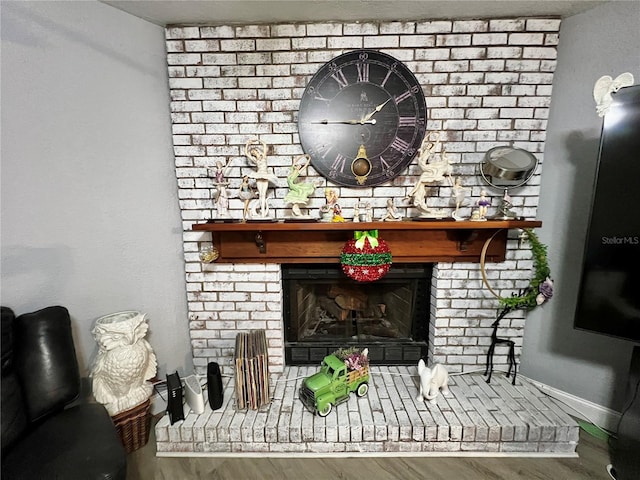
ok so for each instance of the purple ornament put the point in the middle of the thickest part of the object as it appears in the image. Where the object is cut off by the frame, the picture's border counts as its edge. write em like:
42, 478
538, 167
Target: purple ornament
546, 288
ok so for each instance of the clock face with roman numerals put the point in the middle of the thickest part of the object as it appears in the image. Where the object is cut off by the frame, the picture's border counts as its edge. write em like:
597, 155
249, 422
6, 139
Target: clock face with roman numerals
362, 98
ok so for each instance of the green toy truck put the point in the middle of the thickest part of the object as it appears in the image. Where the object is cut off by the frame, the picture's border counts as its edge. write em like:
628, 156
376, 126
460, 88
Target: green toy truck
332, 385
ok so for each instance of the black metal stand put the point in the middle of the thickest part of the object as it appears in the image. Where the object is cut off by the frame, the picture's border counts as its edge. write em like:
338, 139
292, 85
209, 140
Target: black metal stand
501, 341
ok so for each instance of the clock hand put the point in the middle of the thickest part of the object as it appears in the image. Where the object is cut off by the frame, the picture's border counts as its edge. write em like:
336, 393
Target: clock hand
378, 108
348, 122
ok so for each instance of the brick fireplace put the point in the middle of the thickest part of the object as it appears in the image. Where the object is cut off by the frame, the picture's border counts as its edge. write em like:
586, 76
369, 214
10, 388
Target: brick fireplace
487, 83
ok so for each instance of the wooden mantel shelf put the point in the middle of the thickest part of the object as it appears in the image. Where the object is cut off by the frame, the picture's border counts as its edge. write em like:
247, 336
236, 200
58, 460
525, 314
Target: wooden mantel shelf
321, 242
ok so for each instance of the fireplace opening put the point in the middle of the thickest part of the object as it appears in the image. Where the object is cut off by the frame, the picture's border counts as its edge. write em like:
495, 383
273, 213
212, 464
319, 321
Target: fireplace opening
325, 310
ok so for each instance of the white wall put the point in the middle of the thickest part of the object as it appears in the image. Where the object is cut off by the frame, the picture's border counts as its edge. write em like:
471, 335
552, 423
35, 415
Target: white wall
602, 41
90, 216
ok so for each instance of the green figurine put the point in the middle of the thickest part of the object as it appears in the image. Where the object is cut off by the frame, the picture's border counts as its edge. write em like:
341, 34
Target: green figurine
299, 192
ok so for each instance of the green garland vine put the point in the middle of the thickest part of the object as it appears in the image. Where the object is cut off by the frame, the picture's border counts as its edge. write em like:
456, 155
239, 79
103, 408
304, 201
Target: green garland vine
540, 286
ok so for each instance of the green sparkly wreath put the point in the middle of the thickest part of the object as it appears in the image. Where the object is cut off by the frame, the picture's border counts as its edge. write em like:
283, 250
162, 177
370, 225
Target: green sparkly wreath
540, 287
366, 259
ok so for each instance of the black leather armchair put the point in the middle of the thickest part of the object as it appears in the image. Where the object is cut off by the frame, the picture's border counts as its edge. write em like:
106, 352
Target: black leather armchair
45, 435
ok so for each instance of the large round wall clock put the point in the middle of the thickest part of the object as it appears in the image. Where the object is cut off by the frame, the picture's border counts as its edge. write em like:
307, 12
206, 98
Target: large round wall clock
362, 118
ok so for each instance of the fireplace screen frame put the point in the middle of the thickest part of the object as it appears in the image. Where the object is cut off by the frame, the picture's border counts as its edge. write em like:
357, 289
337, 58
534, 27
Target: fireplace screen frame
407, 349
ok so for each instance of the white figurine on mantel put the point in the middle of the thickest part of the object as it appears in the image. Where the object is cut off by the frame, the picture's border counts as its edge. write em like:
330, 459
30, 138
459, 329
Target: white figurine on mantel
222, 202
459, 193
221, 197
124, 363
220, 173
391, 214
605, 86
327, 211
483, 203
431, 172
356, 212
368, 212
432, 381
256, 152
246, 193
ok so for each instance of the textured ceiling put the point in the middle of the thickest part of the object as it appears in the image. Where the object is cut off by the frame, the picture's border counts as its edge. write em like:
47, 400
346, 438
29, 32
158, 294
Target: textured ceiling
219, 12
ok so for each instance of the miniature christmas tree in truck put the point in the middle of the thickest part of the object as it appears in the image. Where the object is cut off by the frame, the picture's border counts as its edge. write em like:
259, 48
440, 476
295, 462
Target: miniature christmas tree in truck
342, 372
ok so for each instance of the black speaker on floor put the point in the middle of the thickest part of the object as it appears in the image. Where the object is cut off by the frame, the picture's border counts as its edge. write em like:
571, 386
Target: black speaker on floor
214, 385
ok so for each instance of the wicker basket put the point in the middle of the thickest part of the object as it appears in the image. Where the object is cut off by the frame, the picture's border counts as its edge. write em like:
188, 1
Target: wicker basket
133, 426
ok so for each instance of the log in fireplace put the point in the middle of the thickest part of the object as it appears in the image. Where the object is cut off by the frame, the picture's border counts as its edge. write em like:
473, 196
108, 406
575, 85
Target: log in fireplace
325, 310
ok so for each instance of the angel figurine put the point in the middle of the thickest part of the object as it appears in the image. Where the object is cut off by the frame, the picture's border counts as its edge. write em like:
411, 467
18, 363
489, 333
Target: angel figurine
256, 152
605, 86
298, 191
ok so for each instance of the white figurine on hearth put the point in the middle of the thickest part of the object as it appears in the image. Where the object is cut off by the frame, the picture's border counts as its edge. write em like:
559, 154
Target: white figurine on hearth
125, 361
432, 381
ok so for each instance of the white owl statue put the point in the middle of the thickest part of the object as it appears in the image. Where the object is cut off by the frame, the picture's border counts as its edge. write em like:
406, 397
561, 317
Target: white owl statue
124, 363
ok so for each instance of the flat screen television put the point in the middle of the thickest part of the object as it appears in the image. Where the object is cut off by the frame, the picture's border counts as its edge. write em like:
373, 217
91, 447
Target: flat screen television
609, 298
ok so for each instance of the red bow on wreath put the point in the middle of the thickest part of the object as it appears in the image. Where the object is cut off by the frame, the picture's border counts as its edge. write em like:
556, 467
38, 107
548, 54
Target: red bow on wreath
366, 257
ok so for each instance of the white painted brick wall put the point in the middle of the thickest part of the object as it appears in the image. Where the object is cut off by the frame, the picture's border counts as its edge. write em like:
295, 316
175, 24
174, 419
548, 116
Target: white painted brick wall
487, 82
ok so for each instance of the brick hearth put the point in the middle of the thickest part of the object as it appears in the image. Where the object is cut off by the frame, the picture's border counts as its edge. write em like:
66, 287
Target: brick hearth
475, 419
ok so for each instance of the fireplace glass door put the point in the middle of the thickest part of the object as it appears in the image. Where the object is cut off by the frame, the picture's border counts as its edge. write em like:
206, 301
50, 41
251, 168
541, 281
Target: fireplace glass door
326, 310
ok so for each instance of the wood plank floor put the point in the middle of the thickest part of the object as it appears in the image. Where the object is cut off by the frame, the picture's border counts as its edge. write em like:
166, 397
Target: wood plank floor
590, 464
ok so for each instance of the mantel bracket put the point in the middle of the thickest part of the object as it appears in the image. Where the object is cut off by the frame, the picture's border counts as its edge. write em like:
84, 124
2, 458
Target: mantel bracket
260, 243
464, 238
